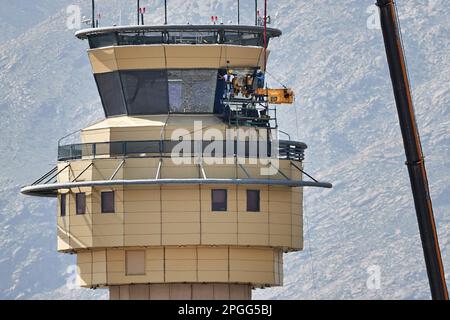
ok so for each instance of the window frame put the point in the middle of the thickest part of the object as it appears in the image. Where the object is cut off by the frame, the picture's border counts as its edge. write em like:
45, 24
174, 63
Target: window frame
102, 205
258, 204
78, 210
223, 208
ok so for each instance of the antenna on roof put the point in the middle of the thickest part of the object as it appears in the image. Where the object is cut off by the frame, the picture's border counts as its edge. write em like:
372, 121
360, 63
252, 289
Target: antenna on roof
256, 12
93, 14
138, 11
165, 12
239, 12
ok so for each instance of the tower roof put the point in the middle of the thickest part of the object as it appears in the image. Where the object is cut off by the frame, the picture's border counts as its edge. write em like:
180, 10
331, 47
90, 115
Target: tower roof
177, 34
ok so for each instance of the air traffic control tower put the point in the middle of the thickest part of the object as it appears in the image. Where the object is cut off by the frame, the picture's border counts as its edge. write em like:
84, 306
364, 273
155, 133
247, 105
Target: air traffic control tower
184, 190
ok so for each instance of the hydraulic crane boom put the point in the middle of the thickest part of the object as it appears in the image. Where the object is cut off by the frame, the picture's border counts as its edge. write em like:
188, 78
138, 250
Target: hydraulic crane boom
413, 149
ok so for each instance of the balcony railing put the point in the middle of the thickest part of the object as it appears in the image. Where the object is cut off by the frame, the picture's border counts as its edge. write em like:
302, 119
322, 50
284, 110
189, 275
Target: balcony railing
287, 150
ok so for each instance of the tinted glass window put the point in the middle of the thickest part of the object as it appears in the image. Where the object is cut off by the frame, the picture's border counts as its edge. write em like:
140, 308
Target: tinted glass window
253, 201
110, 90
102, 40
108, 202
192, 91
219, 200
63, 205
80, 203
146, 92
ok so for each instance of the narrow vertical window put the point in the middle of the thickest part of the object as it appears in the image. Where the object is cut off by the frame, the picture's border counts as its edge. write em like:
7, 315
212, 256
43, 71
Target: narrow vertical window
108, 202
80, 203
219, 200
253, 201
62, 208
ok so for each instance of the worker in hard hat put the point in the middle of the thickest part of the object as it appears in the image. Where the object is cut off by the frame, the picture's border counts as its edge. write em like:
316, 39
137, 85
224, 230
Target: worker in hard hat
229, 80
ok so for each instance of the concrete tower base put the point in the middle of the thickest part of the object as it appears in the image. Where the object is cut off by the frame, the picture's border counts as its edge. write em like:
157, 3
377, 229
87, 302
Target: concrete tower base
181, 292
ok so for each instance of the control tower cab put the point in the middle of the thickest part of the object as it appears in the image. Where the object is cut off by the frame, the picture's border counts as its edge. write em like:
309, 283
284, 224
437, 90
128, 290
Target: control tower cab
184, 190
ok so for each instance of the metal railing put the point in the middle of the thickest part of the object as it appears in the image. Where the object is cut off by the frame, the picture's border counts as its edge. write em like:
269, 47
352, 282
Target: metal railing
287, 150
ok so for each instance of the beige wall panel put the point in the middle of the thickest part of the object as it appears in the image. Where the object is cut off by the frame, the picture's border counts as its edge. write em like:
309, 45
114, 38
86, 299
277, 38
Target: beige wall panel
140, 173
284, 241
142, 240
180, 193
253, 265
114, 293
297, 243
108, 241
252, 277
142, 207
180, 228
207, 253
95, 136
124, 292
149, 194
141, 163
130, 52
221, 291
217, 217
81, 231
213, 265
159, 292
181, 276
116, 266
219, 239
108, 230
192, 63
99, 267
239, 292
80, 242
155, 254
213, 276
99, 219
99, 279
115, 255
240, 56
253, 228
218, 172
251, 254
280, 207
84, 257
180, 172
135, 135
63, 243
102, 60
253, 217
202, 292
84, 280
188, 253
99, 256
141, 63
180, 292
280, 218
139, 292
253, 239
219, 228
183, 239
146, 218
154, 265
142, 229
185, 206
280, 229
189, 218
